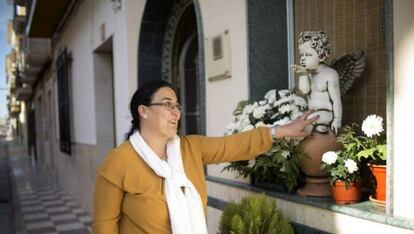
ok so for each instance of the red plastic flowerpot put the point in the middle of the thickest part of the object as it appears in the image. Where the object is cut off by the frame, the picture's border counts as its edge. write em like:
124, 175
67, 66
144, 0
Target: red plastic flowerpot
343, 195
380, 174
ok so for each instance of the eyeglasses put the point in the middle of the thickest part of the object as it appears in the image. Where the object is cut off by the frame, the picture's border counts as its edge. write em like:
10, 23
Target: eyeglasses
169, 106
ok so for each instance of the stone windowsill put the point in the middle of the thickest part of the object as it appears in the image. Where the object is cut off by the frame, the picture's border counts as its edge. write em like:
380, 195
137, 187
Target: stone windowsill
364, 210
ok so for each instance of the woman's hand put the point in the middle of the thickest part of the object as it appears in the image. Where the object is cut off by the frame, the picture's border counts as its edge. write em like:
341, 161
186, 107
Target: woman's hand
297, 127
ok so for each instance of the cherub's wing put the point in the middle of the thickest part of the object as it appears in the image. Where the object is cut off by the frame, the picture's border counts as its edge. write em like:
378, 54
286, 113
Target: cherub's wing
349, 67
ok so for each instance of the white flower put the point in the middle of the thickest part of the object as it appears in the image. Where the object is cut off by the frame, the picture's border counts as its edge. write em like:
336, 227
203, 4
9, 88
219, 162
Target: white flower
247, 128
285, 92
243, 122
260, 124
372, 125
284, 100
285, 108
295, 115
270, 96
283, 121
351, 166
329, 157
230, 128
249, 108
259, 112
285, 154
300, 101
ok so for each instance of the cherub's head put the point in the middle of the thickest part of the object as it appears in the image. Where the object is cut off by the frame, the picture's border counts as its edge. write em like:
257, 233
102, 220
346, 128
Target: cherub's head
313, 48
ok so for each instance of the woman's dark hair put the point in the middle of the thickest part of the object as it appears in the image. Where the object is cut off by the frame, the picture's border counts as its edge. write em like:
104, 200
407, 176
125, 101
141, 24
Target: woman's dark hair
143, 96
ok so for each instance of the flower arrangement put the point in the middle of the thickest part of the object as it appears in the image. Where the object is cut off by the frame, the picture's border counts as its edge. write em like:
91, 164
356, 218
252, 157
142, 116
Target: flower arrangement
280, 164
344, 164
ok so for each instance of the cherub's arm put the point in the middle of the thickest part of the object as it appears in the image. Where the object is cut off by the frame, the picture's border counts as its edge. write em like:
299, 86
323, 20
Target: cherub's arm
304, 83
335, 96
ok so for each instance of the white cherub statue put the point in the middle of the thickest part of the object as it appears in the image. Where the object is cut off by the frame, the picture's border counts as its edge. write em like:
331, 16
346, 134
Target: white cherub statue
323, 84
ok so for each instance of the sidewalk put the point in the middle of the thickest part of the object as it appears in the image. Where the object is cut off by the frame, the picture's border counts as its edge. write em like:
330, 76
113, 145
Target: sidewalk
39, 204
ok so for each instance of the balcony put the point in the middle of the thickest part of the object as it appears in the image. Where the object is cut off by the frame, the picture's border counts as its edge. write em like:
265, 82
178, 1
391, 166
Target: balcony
23, 93
27, 78
19, 19
14, 110
37, 51
44, 21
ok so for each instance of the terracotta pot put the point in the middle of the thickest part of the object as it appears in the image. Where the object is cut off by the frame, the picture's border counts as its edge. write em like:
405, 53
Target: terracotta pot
380, 174
343, 195
314, 146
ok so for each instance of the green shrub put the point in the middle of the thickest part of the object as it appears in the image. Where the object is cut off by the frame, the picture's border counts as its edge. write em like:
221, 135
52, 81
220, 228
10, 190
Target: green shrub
254, 215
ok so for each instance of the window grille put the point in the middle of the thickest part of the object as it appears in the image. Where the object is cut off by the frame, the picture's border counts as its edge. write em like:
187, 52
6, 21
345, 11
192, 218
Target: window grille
62, 65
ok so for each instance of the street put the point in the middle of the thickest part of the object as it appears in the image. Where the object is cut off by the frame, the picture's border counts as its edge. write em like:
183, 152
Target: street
36, 203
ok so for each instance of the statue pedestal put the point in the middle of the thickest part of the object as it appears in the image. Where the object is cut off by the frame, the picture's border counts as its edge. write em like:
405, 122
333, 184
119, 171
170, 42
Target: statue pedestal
313, 147
316, 187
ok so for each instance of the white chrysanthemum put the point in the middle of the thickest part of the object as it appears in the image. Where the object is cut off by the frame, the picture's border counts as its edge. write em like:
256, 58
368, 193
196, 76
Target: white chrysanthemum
259, 112
285, 154
372, 125
284, 109
260, 124
351, 166
283, 121
295, 115
247, 128
243, 122
300, 101
329, 157
230, 128
270, 96
288, 99
285, 92
249, 108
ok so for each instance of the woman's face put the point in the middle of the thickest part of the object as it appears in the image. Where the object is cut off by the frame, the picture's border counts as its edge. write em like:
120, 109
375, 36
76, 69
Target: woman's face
164, 114
308, 56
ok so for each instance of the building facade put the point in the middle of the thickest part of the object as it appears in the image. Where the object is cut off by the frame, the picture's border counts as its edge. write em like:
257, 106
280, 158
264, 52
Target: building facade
75, 64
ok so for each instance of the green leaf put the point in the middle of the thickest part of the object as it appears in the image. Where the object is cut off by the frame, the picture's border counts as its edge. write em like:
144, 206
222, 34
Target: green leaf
254, 215
382, 150
366, 153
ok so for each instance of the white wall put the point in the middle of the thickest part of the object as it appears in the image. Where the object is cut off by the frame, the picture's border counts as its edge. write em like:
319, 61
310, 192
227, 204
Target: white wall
124, 25
126, 63
77, 38
403, 107
82, 36
222, 96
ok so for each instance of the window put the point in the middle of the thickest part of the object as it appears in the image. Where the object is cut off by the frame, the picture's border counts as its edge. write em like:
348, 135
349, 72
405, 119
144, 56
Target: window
62, 65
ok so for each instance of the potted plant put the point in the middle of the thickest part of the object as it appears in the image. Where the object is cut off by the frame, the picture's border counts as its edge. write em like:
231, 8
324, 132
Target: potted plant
255, 214
343, 168
374, 149
280, 165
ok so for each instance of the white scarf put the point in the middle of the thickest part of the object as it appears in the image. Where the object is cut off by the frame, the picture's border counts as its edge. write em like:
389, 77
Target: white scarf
185, 208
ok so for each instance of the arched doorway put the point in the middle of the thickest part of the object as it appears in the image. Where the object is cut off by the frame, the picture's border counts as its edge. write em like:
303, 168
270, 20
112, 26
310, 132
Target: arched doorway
171, 48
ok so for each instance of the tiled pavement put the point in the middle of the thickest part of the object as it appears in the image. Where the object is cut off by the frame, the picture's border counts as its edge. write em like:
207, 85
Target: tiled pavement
40, 205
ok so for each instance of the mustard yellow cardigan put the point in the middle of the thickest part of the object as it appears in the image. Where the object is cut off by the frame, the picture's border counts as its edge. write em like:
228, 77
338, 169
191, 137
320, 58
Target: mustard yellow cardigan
129, 196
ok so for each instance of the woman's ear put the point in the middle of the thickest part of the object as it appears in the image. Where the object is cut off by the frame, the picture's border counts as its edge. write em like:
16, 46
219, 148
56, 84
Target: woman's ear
142, 112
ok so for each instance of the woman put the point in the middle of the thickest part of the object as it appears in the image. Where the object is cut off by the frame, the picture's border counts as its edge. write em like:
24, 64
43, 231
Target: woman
155, 182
